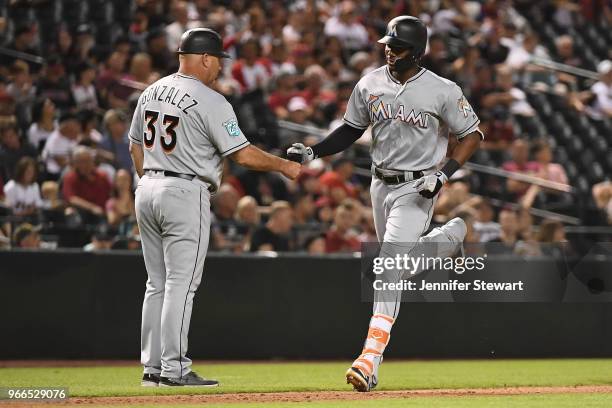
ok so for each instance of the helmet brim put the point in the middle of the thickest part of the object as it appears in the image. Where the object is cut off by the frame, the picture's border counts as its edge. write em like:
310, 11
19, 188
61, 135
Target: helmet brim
221, 54
393, 41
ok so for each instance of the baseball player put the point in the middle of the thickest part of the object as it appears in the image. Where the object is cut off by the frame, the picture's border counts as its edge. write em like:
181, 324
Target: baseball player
411, 111
180, 133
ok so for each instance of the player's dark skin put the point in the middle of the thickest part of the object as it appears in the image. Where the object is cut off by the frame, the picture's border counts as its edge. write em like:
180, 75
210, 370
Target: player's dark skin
468, 144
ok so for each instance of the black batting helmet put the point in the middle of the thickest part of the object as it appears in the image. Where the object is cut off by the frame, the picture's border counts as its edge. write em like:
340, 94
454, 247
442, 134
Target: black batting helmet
406, 32
202, 41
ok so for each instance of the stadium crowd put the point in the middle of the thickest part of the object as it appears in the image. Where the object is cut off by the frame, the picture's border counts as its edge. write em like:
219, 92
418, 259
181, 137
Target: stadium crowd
66, 177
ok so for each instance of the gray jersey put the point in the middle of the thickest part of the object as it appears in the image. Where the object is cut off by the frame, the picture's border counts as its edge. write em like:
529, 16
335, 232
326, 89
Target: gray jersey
186, 127
410, 122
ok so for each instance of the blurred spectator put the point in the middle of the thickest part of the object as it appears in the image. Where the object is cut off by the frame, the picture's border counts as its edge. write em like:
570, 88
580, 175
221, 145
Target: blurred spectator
83, 91
22, 92
299, 112
12, 149
120, 207
314, 94
163, 60
452, 195
337, 181
509, 229
85, 187
58, 148
368, 229
26, 236
264, 187
24, 40
50, 195
225, 203
55, 85
175, 30
116, 138
484, 226
273, 236
22, 193
246, 211
43, 123
109, 78
141, 70
529, 47
341, 236
491, 47
566, 55
437, 59
315, 245
250, 70
7, 103
344, 25
519, 164
551, 231
551, 172
602, 90
304, 209
602, 194
283, 92
101, 239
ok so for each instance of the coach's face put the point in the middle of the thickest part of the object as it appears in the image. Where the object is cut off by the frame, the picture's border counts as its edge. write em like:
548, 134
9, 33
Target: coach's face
213, 67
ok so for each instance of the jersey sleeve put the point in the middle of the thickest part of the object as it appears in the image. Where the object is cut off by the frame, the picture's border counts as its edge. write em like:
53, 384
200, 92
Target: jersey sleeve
356, 114
458, 114
136, 128
223, 130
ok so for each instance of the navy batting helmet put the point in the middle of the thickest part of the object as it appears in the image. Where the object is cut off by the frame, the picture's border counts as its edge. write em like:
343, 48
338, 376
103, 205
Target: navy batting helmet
202, 41
406, 32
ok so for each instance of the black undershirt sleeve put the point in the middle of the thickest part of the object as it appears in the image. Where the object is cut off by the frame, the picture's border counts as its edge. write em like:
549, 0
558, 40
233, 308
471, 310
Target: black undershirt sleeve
338, 140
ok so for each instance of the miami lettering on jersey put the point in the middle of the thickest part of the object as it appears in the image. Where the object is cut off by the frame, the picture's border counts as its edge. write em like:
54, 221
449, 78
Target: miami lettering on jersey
379, 111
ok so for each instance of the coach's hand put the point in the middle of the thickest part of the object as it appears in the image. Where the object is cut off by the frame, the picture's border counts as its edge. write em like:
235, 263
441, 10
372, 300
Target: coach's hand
428, 186
291, 169
300, 153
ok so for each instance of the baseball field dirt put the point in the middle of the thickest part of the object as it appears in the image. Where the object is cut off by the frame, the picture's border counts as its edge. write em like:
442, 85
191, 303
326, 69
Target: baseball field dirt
457, 383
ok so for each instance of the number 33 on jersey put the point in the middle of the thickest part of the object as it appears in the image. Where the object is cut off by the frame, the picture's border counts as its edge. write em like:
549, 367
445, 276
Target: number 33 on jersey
185, 127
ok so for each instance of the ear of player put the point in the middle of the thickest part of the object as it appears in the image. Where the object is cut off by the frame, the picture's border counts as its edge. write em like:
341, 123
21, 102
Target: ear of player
429, 186
300, 153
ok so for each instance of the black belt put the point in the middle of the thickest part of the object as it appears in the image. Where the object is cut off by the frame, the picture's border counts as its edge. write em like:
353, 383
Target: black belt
398, 178
169, 173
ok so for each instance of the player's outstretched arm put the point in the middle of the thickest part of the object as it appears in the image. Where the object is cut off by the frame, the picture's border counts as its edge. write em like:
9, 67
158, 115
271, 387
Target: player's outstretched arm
337, 141
256, 159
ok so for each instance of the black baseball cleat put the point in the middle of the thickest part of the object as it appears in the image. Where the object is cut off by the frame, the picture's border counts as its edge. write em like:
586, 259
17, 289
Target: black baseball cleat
357, 379
190, 379
150, 380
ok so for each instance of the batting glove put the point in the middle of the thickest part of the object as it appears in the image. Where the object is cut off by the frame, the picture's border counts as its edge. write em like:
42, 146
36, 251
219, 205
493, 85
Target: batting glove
428, 186
300, 153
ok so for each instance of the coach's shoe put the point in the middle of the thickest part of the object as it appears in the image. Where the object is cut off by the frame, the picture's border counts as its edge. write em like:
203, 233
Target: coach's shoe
190, 379
150, 380
358, 380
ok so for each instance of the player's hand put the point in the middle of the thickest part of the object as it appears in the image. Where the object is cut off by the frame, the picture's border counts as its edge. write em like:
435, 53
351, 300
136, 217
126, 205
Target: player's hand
429, 186
300, 153
291, 169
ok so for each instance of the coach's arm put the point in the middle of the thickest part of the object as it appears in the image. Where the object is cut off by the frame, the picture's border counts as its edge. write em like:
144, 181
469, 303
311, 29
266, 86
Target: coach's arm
137, 158
254, 158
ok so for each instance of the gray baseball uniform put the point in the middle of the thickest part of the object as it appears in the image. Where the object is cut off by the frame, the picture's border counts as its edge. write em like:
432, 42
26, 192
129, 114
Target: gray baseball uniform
185, 129
410, 129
